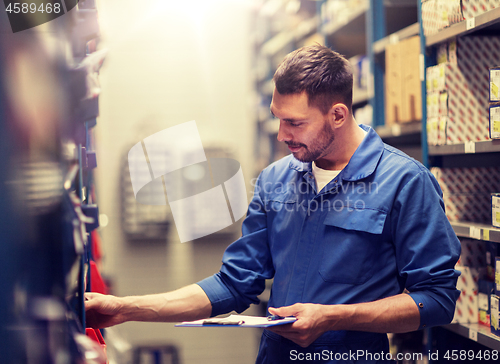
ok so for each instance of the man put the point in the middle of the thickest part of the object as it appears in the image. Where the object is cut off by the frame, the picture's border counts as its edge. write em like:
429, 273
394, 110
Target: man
344, 226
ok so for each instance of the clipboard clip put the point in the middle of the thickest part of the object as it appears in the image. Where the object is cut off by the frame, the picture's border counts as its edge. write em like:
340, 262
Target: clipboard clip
218, 322
274, 318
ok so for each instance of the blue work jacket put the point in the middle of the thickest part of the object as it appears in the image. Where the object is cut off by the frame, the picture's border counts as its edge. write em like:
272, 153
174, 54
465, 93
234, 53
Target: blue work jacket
378, 228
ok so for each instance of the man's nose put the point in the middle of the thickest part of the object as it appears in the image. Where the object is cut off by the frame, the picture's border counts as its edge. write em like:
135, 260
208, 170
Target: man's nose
283, 134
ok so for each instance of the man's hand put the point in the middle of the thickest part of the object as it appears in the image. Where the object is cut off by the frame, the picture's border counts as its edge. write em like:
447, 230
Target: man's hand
392, 314
311, 323
103, 310
185, 304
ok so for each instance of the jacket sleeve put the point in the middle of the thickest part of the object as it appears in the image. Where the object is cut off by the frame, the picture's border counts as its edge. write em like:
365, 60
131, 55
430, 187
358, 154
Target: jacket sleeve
246, 263
427, 249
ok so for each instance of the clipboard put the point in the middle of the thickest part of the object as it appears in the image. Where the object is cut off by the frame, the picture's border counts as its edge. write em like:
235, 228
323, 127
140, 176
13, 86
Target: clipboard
239, 321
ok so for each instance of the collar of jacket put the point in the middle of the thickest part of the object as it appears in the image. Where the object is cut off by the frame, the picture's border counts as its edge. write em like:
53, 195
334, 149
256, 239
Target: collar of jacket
362, 163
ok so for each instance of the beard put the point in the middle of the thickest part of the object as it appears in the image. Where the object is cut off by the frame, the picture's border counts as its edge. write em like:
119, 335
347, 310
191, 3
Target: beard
317, 147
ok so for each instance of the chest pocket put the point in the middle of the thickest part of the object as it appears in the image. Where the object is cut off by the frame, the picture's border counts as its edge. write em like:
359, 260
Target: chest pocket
352, 239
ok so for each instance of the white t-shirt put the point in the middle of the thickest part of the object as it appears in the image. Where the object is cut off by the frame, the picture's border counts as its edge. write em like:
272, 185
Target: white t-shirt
324, 176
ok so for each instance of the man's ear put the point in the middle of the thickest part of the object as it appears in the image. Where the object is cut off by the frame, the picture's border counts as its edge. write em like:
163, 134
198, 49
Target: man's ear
338, 115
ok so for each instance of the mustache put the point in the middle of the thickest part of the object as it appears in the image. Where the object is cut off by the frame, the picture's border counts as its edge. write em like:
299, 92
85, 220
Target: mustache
295, 145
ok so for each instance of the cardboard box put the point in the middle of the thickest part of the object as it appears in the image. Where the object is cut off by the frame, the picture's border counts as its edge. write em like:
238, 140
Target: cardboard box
494, 84
452, 51
473, 255
467, 86
471, 207
494, 317
497, 275
430, 17
403, 86
431, 79
467, 192
495, 209
393, 84
485, 290
442, 53
473, 8
442, 127
494, 121
412, 86
468, 180
433, 103
492, 250
436, 130
454, 11
432, 131
439, 14
466, 310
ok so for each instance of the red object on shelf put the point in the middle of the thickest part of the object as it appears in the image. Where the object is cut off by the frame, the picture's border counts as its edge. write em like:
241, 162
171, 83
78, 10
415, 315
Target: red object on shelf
96, 246
96, 282
95, 334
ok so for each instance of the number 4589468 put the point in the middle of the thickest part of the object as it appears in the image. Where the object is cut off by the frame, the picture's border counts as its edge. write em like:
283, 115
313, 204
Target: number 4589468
471, 355
32, 8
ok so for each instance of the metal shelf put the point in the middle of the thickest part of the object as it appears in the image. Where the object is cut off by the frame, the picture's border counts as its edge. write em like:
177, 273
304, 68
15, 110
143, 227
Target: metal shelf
468, 26
348, 35
487, 146
285, 37
476, 231
360, 96
398, 130
479, 333
355, 20
411, 30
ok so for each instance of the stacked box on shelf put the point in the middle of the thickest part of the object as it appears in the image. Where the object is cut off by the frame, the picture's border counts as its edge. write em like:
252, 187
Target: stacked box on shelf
492, 251
403, 96
485, 289
473, 8
476, 288
466, 309
495, 317
439, 14
495, 209
494, 109
494, 301
394, 84
467, 192
497, 275
430, 18
494, 120
463, 91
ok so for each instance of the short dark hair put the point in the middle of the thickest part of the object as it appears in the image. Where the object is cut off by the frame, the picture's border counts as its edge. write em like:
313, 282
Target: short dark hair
325, 76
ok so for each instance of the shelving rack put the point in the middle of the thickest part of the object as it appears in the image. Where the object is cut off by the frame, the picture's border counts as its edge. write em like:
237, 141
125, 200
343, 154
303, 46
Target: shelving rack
467, 154
47, 200
369, 30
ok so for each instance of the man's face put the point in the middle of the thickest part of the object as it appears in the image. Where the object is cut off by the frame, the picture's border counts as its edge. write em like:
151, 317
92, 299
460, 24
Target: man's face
303, 128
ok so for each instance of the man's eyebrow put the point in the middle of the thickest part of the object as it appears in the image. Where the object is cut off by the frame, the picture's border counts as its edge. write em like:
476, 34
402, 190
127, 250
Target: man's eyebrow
288, 120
